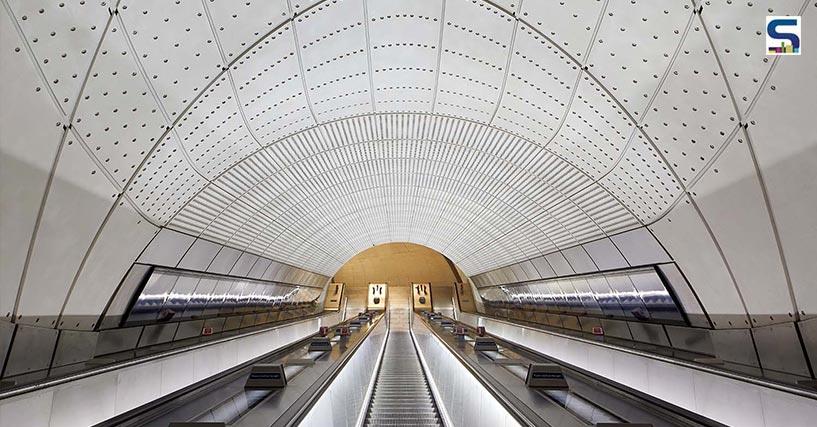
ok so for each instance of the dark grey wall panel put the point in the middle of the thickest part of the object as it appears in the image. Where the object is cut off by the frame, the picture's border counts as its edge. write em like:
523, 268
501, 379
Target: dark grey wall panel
649, 333
779, 349
808, 330
559, 264
579, 260
116, 340
232, 323
167, 248
616, 328
75, 346
6, 333
158, 334
224, 261
605, 254
216, 323
588, 323
734, 345
691, 339
640, 247
200, 255
189, 329
31, 349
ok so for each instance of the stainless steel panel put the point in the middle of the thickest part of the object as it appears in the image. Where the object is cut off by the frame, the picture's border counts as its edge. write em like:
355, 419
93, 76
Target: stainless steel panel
649, 333
200, 255
244, 264
628, 297
6, 333
779, 349
31, 349
218, 298
75, 346
153, 296
189, 329
181, 294
201, 296
734, 345
690, 339
167, 248
657, 300
224, 261
158, 334
579, 260
639, 247
116, 340
686, 297
616, 328
808, 330
126, 292
560, 265
606, 298
582, 287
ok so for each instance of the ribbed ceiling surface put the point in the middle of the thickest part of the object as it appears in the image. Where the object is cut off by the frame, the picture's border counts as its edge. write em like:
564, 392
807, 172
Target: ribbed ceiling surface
492, 132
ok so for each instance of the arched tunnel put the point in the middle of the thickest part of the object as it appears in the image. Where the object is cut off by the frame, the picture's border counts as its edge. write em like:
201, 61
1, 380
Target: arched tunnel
408, 212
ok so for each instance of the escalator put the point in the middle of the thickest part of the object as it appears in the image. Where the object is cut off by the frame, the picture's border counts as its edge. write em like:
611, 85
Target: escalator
401, 396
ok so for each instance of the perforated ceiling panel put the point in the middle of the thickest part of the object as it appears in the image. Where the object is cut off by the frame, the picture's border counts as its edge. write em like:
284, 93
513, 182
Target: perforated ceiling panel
307, 131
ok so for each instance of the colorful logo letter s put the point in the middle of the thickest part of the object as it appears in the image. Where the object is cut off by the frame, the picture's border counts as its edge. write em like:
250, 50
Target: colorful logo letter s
794, 40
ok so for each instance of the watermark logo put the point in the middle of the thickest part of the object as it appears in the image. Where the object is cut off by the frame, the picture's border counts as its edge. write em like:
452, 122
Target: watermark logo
782, 35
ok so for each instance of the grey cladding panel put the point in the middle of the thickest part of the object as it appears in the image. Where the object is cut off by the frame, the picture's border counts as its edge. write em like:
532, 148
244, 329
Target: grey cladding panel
559, 264
200, 255
605, 254
167, 248
640, 247
734, 345
6, 333
779, 349
808, 329
75, 346
158, 334
31, 349
259, 268
225, 260
530, 270
543, 267
649, 333
116, 340
579, 260
244, 264
691, 339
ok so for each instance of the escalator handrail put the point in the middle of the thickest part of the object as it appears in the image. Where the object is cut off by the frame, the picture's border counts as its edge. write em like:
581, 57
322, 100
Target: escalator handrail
515, 412
327, 380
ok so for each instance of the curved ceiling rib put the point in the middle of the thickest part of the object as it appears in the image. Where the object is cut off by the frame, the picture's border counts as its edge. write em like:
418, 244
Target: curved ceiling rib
253, 123
329, 62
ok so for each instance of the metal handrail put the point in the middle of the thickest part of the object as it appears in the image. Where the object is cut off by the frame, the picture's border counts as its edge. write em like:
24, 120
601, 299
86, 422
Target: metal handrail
515, 412
139, 360
732, 375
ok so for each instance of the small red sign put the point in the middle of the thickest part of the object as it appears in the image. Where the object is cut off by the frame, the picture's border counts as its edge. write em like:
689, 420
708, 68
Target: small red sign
207, 330
481, 331
323, 331
598, 330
